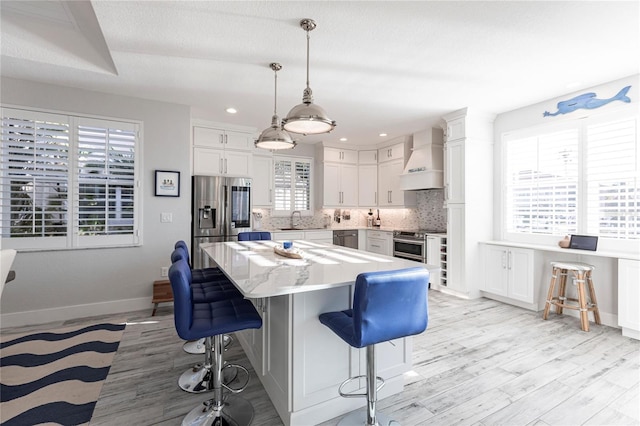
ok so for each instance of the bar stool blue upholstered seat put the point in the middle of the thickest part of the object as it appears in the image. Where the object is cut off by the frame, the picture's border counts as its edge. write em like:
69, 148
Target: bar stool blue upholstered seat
198, 277
254, 236
387, 305
211, 321
196, 378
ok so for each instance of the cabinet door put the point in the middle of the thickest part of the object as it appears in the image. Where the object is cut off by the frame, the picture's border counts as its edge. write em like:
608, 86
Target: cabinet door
208, 162
384, 183
340, 155
456, 129
238, 140
349, 185
395, 195
237, 163
331, 184
628, 295
262, 173
520, 271
368, 185
495, 270
454, 173
205, 136
368, 157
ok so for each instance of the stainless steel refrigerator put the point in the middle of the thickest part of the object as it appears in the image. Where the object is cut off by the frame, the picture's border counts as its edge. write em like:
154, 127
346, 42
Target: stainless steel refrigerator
221, 208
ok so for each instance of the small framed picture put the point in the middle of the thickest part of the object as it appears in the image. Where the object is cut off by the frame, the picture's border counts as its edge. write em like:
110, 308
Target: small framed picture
167, 183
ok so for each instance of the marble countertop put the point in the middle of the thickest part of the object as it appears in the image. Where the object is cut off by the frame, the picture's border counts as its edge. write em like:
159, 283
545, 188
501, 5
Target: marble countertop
258, 271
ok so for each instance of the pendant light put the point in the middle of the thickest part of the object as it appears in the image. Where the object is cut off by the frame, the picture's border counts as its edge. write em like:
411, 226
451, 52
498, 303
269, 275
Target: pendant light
308, 118
274, 137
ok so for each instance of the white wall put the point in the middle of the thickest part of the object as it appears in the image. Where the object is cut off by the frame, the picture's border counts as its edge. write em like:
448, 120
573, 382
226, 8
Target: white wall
57, 285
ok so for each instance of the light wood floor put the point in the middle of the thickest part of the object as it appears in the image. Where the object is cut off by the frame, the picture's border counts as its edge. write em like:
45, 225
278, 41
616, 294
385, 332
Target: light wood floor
480, 363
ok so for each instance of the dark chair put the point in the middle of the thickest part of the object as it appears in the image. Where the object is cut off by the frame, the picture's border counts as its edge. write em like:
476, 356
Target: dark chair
254, 236
387, 305
211, 321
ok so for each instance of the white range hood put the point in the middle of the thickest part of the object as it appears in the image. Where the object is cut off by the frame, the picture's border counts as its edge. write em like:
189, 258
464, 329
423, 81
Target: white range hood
424, 170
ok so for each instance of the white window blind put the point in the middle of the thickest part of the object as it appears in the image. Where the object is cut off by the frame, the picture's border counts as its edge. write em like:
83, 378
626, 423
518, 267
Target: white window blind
613, 184
68, 181
579, 177
35, 175
292, 185
542, 183
104, 197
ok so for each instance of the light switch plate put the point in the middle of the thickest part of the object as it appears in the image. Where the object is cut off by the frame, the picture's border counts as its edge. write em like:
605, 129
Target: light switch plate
166, 217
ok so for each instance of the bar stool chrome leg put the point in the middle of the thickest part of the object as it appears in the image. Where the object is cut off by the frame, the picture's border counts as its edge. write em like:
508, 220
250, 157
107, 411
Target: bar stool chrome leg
221, 410
196, 379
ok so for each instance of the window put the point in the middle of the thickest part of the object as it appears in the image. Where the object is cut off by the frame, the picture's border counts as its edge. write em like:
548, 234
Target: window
580, 177
292, 185
67, 181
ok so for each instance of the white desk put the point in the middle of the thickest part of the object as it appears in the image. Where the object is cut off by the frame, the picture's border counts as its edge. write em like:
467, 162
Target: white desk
299, 361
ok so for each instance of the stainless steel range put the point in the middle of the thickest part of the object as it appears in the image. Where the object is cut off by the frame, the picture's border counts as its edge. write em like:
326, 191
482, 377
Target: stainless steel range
411, 245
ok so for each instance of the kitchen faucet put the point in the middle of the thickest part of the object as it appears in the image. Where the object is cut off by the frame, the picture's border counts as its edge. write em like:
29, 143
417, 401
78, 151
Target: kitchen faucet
293, 224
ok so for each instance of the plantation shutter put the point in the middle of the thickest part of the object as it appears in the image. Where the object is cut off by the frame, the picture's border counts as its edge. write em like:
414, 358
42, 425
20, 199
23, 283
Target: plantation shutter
106, 182
34, 178
292, 185
612, 178
542, 183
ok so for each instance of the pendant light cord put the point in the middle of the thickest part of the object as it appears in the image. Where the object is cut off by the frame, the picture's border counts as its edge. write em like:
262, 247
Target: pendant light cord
308, 58
275, 92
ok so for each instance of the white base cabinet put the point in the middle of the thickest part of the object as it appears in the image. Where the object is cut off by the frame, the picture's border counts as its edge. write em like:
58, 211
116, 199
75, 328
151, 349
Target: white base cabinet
380, 242
629, 297
511, 273
302, 363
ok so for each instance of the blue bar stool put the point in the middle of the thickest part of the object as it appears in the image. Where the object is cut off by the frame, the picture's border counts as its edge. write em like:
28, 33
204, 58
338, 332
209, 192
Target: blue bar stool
254, 236
198, 277
387, 305
196, 378
211, 321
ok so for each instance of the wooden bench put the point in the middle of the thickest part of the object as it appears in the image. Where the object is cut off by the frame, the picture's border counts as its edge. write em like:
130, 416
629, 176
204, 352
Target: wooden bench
161, 293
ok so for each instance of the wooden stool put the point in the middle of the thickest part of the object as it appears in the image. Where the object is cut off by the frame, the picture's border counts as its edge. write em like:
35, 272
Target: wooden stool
161, 293
581, 272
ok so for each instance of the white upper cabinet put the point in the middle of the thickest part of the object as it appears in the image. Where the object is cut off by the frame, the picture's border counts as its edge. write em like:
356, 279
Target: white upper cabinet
368, 185
339, 185
222, 139
368, 157
336, 155
218, 152
262, 173
393, 152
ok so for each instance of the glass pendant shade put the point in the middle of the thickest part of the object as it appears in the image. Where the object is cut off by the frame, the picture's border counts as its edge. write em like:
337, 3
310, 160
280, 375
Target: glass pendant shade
308, 118
274, 137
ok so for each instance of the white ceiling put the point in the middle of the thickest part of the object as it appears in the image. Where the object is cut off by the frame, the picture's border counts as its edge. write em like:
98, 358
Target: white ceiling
392, 67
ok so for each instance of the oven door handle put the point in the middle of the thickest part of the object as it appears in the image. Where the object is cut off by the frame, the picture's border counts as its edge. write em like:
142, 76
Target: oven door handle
402, 255
415, 242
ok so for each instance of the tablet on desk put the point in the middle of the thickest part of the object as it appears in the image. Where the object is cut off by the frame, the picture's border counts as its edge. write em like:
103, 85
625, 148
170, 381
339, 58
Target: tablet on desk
583, 242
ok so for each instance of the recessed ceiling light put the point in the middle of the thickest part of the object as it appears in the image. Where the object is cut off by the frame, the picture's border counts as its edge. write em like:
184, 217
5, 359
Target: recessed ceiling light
231, 110
343, 139
382, 134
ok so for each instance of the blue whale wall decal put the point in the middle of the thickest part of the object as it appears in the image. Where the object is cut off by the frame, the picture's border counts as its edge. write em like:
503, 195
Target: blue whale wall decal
587, 101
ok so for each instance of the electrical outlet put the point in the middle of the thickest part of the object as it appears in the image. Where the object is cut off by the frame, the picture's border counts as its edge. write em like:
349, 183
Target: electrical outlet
164, 271
166, 217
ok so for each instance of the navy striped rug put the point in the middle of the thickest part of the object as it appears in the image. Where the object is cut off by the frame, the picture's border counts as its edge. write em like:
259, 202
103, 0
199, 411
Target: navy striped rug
56, 376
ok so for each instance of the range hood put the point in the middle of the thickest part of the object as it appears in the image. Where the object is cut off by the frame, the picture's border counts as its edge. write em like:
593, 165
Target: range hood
424, 170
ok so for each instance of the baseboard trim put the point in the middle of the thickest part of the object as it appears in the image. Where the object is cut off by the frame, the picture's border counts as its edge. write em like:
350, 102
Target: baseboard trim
64, 313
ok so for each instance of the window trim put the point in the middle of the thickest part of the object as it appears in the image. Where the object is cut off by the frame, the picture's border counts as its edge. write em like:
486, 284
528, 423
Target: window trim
72, 240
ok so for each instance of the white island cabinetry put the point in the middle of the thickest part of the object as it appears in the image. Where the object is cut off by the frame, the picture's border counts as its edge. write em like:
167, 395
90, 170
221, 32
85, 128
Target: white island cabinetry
629, 297
300, 362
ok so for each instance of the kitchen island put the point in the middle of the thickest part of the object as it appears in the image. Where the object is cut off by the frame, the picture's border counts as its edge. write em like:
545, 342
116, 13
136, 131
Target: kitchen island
299, 361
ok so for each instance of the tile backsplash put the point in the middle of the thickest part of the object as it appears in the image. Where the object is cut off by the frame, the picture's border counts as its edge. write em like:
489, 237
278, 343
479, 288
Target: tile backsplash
429, 213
